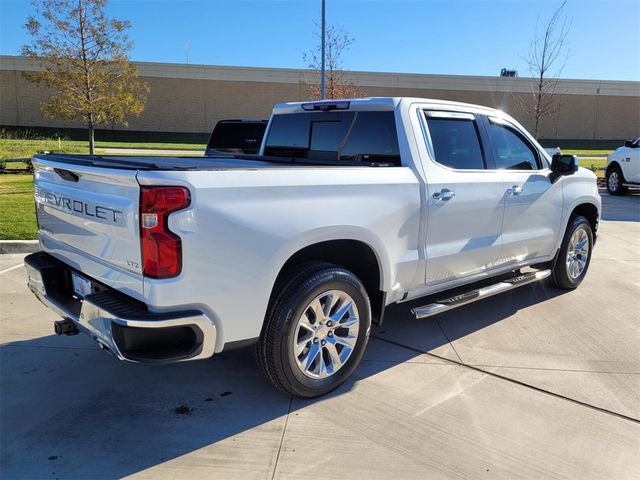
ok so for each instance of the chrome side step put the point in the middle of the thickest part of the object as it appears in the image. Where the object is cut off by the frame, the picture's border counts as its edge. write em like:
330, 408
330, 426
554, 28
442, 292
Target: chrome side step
471, 296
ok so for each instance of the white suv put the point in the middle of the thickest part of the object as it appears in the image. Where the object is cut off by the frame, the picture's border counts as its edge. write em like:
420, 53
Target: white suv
623, 168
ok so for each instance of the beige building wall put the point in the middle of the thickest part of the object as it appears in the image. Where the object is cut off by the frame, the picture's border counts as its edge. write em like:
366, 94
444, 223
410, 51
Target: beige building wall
192, 98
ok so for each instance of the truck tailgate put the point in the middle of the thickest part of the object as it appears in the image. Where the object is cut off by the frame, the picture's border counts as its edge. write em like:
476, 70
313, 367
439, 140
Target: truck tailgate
88, 218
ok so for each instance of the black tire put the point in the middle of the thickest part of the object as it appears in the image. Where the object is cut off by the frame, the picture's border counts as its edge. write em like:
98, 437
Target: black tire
560, 276
615, 179
274, 350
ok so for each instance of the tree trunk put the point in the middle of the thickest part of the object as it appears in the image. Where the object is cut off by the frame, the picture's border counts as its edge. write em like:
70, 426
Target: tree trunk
538, 104
91, 135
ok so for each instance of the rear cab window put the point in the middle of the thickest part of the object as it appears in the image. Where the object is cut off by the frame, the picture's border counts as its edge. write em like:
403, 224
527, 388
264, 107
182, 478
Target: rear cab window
455, 138
353, 136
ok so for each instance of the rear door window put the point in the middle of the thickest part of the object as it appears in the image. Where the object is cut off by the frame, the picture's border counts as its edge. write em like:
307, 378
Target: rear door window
456, 141
354, 136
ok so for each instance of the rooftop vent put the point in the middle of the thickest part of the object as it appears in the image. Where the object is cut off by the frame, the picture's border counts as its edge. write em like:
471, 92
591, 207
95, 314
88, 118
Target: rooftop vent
507, 72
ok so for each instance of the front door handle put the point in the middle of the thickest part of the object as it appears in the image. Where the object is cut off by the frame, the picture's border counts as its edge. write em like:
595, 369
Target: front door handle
444, 194
514, 190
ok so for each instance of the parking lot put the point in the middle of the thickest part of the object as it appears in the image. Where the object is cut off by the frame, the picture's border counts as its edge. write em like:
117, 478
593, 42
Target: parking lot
536, 383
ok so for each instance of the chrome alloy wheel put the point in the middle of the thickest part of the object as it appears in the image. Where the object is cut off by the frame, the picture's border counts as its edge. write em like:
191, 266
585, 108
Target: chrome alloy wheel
578, 252
326, 334
614, 181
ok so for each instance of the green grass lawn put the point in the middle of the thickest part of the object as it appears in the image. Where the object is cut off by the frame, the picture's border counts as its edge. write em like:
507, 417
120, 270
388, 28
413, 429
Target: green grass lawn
17, 210
587, 153
587, 162
19, 148
26, 148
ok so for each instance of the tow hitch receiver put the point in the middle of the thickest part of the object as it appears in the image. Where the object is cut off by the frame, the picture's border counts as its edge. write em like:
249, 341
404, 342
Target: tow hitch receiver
65, 327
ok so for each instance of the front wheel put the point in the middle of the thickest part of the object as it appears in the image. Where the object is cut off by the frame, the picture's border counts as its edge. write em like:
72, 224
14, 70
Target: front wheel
574, 256
315, 332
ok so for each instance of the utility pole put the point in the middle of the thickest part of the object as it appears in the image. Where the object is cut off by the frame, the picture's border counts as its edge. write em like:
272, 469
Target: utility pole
322, 48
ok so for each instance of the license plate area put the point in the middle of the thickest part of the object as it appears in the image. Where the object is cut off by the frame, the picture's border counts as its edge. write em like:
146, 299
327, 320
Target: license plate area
81, 286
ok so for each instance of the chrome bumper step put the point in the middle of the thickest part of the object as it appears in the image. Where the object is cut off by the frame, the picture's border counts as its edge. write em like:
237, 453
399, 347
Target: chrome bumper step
471, 296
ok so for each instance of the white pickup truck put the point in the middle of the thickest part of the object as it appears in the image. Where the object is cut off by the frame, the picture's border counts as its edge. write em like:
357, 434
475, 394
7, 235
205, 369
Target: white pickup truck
350, 206
623, 168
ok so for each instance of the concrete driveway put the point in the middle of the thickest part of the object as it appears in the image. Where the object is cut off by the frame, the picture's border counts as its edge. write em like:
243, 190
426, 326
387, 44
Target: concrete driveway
533, 384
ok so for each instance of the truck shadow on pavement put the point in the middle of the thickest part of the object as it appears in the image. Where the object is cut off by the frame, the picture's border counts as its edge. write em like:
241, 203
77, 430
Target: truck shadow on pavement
68, 410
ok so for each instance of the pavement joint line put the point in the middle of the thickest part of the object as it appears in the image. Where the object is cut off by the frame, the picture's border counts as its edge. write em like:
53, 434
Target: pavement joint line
284, 429
11, 268
449, 340
566, 370
411, 362
517, 382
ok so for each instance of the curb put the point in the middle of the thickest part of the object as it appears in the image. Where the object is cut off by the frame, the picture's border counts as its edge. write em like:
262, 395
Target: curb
19, 246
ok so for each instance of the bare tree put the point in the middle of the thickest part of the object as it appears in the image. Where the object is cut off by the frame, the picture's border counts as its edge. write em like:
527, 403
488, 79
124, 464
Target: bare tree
337, 84
547, 56
83, 56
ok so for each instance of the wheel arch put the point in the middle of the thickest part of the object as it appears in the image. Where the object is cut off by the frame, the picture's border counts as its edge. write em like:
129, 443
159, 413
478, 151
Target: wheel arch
355, 255
587, 208
589, 211
612, 164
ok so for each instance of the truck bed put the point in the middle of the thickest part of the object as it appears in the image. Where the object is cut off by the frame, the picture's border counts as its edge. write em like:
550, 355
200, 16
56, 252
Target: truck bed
218, 162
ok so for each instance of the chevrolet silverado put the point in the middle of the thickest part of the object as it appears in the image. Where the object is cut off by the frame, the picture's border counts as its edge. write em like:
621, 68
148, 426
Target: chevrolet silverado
350, 206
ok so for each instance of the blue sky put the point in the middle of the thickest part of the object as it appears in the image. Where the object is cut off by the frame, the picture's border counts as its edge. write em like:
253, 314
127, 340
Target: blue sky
442, 37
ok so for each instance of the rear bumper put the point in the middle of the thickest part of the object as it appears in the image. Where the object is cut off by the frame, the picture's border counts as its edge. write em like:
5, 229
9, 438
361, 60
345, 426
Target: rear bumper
120, 324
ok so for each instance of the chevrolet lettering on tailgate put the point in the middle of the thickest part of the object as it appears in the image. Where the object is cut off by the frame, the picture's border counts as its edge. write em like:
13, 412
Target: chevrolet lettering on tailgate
101, 213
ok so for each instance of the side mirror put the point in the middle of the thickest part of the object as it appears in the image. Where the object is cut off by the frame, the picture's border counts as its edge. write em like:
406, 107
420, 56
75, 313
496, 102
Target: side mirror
630, 144
564, 164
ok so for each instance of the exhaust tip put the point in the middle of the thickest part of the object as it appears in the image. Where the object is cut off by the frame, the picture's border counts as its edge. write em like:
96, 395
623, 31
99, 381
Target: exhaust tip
105, 348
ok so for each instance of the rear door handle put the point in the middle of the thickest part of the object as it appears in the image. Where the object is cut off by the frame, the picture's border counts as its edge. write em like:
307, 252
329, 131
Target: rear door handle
514, 190
444, 194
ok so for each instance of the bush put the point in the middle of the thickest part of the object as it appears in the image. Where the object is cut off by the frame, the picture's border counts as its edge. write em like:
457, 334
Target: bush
19, 134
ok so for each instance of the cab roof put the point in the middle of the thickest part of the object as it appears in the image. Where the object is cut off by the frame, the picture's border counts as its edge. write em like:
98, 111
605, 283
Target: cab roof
371, 103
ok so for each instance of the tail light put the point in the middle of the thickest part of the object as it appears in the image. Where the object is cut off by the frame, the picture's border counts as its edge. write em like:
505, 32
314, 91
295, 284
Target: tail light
161, 248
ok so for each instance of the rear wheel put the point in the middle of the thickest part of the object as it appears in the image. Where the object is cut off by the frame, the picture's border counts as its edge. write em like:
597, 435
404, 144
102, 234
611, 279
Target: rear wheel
575, 254
615, 180
315, 332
